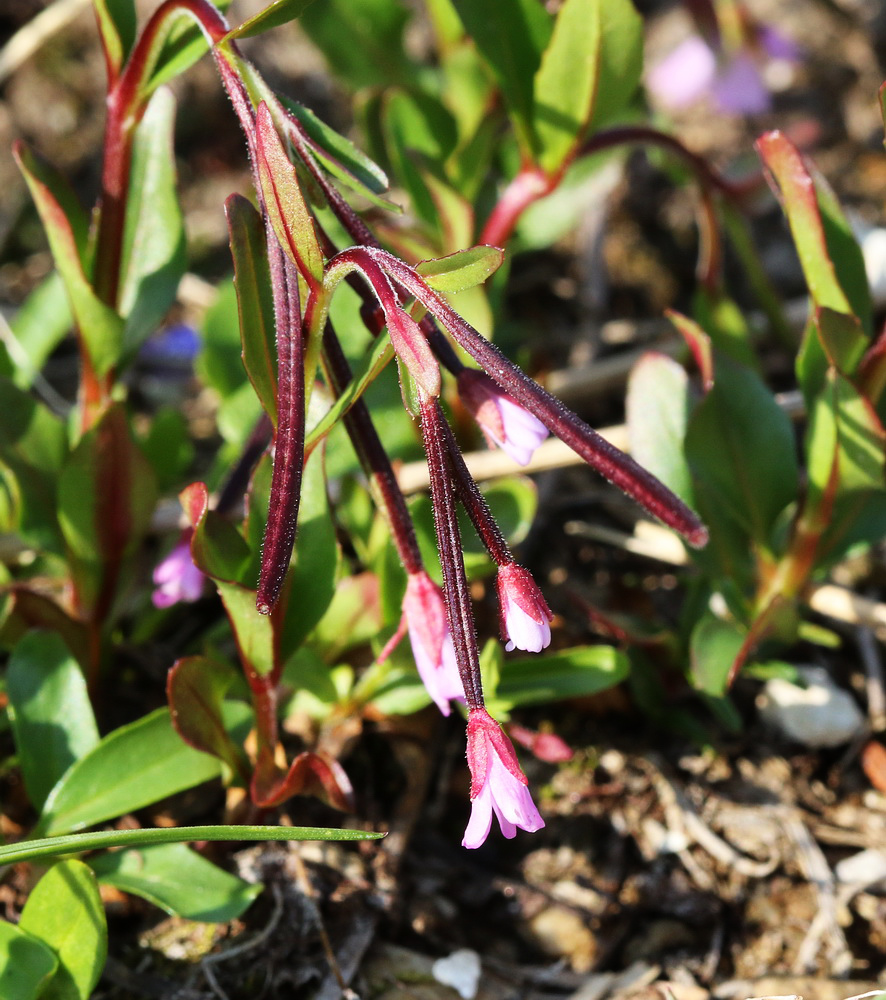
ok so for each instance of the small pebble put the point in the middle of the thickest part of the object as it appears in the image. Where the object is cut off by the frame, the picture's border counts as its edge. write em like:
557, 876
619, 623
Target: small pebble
821, 714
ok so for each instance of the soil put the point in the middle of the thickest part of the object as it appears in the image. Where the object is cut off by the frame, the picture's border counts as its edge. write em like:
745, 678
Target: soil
673, 865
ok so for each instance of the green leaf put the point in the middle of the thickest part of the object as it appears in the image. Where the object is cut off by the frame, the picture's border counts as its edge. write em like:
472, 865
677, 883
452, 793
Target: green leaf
570, 673
67, 226
740, 447
311, 581
713, 648
39, 326
106, 495
50, 847
377, 357
844, 428
462, 269
181, 44
254, 632
252, 280
293, 224
511, 35
178, 880
217, 547
26, 964
362, 42
65, 911
566, 81
133, 766
52, 718
196, 686
621, 60
219, 362
153, 255
275, 14
33, 445
339, 155
829, 254
658, 405
117, 27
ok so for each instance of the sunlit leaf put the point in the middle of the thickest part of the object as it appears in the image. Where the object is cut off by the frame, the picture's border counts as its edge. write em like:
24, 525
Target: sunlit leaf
178, 880
252, 279
65, 911
52, 718
275, 14
131, 767
26, 963
568, 673
462, 269
153, 253
713, 648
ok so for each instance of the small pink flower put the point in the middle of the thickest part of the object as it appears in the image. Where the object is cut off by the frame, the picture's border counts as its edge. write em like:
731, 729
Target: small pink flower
503, 422
524, 616
176, 576
498, 785
431, 640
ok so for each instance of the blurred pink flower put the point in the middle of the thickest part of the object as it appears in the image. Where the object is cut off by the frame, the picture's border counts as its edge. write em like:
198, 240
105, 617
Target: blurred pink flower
176, 577
431, 640
524, 616
498, 785
503, 422
733, 80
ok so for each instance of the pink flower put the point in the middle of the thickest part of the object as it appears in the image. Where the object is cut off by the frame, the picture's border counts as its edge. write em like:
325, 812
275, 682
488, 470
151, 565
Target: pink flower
503, 422
734, 80
497, 783
176, 576
431, 640
524, 616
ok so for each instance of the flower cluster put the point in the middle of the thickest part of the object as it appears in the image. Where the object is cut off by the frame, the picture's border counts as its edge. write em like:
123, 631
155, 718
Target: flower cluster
513, 412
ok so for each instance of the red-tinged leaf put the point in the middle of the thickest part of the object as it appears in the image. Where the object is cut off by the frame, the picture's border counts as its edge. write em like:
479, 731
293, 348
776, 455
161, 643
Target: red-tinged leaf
106, 496
217, 547
698, 342
195, 688
290, 218
842, 338
872, 374
252, 279
830, 256
309, 774
100, 328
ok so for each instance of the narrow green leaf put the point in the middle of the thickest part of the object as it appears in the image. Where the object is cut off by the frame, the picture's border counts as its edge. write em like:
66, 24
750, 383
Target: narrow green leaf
153, 257
290, 218
511, 35
178, 880
39, 326
311, 582
254, 632
132, 767
713, 648
277, 13
217, 547
50, 847
117, 26
26, 964
372, 364
620, 60
65, 911
252, 279
339, 155
570, 673
740, 447
195, 688
52, 718
182, 45
566, 81
829, 254
462, 269
66, 225
658, 406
